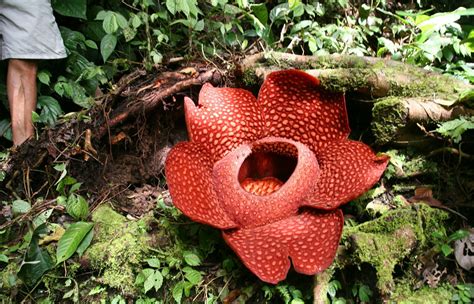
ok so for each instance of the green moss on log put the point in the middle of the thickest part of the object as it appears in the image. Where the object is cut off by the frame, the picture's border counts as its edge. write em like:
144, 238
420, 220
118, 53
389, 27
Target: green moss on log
119, 248
388, 116
405, 294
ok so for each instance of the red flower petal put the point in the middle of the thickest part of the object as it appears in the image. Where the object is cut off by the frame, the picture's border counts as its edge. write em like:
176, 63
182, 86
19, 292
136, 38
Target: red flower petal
250, 210
348, 169
224, 118
295, 107
189, 176
310, 239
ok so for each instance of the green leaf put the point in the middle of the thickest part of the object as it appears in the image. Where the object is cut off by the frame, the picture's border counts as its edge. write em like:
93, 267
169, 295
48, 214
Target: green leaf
71, 239
42, 218
178, 292
71, 8
50, 109
260, 11
365, 293
85, 243
110, 23
44, 77
155, 263
455, 128
192, 275
199, 26
191, 258
3, 258
5, 128
77, 206
121, 21
446, 249
458, 235
293, 4
107, 46
91, 44
155, 280
20, 206
171, 6
36, 261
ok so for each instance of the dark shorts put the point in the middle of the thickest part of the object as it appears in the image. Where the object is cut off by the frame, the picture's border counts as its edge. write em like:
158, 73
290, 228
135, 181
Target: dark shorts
28, 30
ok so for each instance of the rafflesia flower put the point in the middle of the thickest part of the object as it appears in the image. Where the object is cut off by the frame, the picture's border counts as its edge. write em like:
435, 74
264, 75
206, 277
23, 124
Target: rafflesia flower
271, 172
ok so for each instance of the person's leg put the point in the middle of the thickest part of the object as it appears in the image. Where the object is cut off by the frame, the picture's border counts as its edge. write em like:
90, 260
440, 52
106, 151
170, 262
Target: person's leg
21, 90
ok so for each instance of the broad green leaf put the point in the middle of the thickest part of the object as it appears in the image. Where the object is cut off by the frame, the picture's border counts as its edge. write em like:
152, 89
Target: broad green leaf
101, 15
446, 249
136, 21
50, 109
293, 3
192, 275
85, 243
42, 218
107, 46
456, 127
171, 6
155, 263
110, 23
91, 44
3, 258
36, 261
199, 26
141, 277
178, 292
469, 41
155, 280
20, 206
77, 206
71, 8
365, 293
260, 11
191, 258
71, 239
121, 21
44, 77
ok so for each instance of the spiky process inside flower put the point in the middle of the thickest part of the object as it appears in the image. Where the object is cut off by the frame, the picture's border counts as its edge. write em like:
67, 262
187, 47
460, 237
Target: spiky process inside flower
271, 172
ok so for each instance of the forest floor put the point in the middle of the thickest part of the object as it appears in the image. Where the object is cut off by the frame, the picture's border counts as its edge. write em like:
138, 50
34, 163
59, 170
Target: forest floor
102, 171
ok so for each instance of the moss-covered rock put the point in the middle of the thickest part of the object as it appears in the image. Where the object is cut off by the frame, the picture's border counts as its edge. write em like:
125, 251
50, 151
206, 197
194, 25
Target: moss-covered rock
388, 116
119, 247
389, 240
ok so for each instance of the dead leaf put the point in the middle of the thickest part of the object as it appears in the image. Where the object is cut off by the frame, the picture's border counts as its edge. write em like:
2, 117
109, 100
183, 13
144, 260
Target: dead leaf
54, 237
190, 71
425, 195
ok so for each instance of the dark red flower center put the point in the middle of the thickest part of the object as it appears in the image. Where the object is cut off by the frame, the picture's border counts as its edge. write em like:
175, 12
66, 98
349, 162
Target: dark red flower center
264, 172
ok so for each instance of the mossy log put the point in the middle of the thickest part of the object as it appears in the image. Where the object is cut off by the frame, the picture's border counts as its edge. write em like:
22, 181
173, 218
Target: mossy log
403, 94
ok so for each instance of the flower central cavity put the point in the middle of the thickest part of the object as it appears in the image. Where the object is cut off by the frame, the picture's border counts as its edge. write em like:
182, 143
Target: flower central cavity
263, 173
